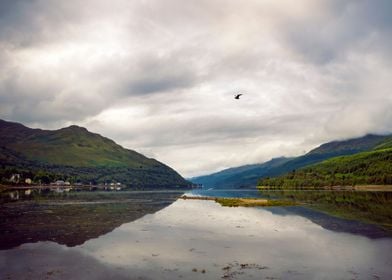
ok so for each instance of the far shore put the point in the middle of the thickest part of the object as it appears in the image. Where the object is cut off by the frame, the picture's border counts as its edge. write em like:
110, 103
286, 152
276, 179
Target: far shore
380, 188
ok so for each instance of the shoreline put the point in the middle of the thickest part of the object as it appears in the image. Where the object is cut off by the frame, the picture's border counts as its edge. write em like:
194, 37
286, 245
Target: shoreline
375, 188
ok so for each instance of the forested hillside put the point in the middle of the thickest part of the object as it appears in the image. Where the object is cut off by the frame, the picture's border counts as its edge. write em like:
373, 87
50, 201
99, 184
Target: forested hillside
366, 168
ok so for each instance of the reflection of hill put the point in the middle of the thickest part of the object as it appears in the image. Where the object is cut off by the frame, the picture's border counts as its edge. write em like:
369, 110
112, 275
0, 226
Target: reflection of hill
333, 223
365, 206
76, 218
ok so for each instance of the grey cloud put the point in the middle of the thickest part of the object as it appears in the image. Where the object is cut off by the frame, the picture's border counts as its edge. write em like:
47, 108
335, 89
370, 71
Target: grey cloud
361, 117
44, 98
24, 23
45, 108
169, 131
53, 94
153, 74
345, 27
312, 71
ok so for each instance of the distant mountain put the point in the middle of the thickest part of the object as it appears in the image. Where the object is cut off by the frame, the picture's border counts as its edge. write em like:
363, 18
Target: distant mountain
248, 175
238, 177
73, 153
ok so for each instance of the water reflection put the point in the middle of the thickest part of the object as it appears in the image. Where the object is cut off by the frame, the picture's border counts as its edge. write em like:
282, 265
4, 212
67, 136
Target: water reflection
73, 218
366, 206
227, 192
367, 213
202, 240
333, 223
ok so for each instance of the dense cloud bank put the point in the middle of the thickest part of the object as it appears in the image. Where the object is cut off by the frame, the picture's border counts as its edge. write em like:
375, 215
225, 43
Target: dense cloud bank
159, 76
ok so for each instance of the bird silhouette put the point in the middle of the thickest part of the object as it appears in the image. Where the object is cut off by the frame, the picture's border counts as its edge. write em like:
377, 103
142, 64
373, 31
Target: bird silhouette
237, 96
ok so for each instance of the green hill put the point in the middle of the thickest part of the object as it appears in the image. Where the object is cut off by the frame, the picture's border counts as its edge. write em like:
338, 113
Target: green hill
73, 153
365, 168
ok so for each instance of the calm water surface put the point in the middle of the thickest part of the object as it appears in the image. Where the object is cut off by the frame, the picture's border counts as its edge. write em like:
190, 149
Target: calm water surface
192, 239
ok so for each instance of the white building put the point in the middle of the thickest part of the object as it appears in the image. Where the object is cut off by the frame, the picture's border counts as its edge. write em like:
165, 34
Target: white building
15, 178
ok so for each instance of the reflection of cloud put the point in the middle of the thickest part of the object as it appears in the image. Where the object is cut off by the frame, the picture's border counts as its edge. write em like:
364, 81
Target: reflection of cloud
203, 235
199, 234
55, 261
311, 71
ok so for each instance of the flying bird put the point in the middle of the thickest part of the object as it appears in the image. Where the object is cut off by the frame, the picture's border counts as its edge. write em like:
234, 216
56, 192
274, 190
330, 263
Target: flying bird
237, 96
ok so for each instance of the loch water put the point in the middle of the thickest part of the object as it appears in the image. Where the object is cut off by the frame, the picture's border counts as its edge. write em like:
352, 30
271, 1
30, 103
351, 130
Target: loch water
191, 239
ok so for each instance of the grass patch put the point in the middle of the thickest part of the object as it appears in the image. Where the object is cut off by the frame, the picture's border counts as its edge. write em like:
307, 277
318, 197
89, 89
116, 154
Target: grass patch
252, 202
244, 202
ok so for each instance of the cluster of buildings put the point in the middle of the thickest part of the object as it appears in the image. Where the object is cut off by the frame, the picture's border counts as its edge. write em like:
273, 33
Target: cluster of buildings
62, 185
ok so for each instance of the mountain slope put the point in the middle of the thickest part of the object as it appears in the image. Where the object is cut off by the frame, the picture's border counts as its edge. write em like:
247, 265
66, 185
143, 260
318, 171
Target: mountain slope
351, 146
366, 168
319, 154
74, 153
330, 150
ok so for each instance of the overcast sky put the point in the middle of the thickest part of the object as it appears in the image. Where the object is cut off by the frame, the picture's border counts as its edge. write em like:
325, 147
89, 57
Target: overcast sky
159, 76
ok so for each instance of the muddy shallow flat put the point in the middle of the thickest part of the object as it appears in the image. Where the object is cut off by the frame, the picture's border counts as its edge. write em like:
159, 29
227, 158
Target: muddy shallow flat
202, 240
